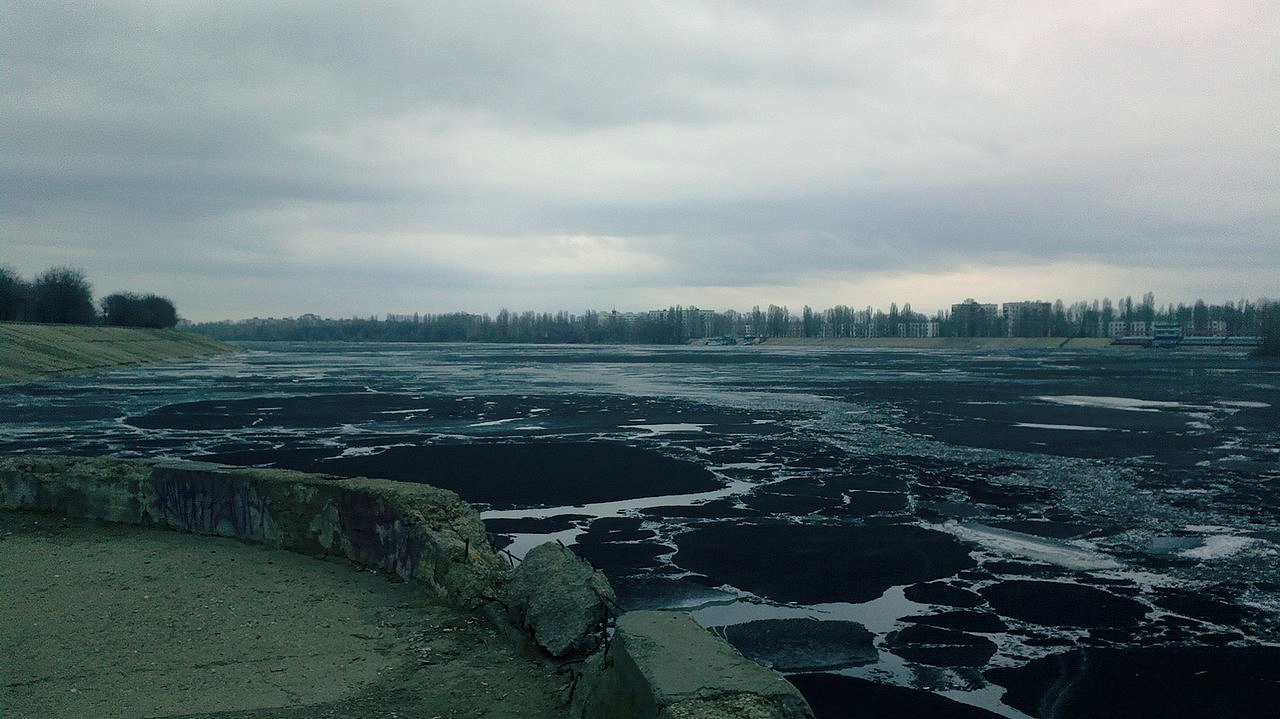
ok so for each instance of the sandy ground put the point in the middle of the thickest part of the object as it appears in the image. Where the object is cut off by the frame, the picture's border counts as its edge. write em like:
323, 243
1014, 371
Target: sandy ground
100, 620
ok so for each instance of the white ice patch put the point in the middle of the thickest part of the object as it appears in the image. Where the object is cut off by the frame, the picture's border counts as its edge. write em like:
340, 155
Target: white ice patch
1124, 403
1072, 427
522, 543
1245, 404
1208, 528
622, 507
745, 465
1029, 546
364, 451
496, 422
1219, 546
667, 428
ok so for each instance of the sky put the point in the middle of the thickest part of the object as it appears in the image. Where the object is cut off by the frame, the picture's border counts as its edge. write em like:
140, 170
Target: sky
352, 159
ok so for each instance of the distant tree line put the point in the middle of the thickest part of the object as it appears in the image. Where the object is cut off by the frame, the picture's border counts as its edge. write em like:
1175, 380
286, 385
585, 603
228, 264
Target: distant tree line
677, 324
63, 295
1270, 330
528, 327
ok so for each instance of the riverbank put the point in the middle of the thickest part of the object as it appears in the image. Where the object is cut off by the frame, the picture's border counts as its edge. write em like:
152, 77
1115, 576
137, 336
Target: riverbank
956, 343
30, 352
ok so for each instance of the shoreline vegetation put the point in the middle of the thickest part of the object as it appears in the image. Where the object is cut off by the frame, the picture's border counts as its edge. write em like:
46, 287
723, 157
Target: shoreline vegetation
678, 325
973, 343
30, 352
63, 295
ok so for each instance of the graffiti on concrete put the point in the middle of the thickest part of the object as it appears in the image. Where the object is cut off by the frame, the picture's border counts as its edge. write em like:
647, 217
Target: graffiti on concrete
212, 504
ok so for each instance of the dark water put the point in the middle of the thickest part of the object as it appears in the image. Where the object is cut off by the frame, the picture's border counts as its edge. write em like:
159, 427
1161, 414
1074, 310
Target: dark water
1064, 534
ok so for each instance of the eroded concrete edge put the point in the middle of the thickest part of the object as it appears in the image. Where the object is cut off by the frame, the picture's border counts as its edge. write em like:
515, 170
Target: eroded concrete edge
659, 665
422, 534
662, 665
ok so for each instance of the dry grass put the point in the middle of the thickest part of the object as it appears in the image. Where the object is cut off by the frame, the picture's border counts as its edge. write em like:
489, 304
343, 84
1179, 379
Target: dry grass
30, 351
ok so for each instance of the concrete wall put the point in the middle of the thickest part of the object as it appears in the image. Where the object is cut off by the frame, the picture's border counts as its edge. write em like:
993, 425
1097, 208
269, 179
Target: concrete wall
658, 665
422, 534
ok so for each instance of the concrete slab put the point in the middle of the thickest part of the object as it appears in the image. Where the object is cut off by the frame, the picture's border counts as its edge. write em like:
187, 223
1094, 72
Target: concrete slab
662, 665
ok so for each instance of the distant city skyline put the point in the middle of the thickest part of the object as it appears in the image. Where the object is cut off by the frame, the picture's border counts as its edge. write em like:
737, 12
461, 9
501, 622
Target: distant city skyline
248, 159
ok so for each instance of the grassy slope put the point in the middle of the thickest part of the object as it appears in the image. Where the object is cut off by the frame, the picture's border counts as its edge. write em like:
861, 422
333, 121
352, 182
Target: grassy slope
29, 352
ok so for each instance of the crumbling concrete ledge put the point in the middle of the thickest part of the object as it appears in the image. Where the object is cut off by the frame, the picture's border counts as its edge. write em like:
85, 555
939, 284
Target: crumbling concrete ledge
422, 534
658, 665
662, 665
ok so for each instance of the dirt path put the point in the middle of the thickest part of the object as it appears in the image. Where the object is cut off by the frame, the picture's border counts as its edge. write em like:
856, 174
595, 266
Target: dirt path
100, 620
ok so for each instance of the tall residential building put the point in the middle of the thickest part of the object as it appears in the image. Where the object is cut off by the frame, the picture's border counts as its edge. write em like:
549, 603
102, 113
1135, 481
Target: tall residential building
1028, 318
973, 319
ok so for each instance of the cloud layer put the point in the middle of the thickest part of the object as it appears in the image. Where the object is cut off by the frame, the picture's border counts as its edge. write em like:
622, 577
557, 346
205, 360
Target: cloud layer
279, 158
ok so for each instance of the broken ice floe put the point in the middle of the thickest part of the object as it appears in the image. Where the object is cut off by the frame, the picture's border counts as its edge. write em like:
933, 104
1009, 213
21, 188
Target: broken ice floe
1004, 541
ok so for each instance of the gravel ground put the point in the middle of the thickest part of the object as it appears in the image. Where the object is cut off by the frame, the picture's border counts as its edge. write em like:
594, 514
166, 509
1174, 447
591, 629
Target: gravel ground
101, 620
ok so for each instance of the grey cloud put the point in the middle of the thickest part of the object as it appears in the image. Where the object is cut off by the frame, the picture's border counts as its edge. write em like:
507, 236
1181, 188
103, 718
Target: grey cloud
755, 142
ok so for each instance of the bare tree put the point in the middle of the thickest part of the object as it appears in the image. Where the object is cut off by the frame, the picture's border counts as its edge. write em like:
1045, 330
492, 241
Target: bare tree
63, 295
15, 296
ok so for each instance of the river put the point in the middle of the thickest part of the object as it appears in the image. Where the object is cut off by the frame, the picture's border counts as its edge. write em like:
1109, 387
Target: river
1026, 533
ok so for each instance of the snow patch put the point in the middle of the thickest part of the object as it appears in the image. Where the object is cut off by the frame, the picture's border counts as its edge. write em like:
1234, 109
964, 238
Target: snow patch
1245, 404
1128, 404
1072, 427
1029, 546
1219, 546
668, 428
496, 422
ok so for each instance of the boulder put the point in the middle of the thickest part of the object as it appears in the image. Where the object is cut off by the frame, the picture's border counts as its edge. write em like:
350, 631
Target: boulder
560, 600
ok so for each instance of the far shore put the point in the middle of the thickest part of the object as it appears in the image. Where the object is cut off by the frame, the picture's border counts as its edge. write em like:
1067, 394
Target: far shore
994, 343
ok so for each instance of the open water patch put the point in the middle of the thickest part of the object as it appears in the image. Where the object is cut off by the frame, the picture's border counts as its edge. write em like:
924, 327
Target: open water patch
1063, 604
812, 564
505, 476
1158, 682
802, 644
833, 696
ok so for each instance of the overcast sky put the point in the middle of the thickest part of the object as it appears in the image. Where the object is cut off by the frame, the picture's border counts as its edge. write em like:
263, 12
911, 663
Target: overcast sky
276, 158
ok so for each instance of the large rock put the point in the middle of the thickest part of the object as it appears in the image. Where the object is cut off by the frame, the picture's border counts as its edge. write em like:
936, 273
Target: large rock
560, 600
662, 665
